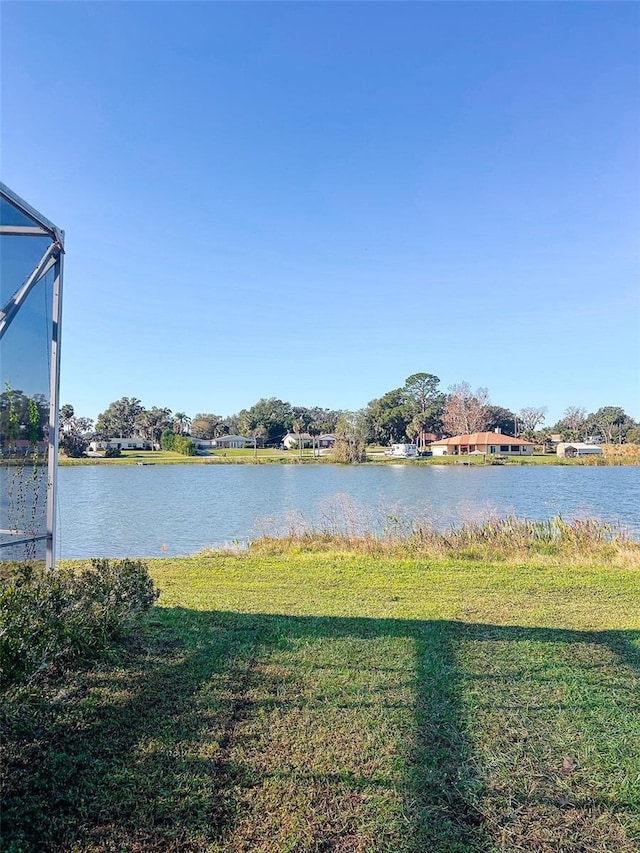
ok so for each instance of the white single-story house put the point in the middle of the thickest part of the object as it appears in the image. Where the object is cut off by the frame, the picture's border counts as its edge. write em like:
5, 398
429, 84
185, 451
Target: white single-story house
233, 442
291, 439
569, 450
223, 441
323, 441
135, 442
326, 440
202, 443
482, 442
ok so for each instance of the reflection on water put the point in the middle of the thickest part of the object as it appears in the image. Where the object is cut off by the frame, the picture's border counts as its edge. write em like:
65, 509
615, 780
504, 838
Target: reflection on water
167, 510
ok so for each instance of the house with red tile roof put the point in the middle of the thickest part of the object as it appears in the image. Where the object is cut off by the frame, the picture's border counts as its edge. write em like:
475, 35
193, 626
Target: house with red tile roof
482, 442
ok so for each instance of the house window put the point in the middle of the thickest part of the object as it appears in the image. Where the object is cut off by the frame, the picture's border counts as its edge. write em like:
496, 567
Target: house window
472, 447
515, 448
493, 449
504, 448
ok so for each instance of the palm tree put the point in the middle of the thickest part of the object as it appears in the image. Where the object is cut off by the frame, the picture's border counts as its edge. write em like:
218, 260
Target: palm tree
257, 432
181, 422
298, 426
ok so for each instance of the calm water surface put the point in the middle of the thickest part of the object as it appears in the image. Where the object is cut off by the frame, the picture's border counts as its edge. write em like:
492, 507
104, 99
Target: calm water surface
170, 510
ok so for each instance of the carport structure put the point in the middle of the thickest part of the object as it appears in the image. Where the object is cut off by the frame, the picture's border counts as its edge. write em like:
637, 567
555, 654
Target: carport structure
31, 262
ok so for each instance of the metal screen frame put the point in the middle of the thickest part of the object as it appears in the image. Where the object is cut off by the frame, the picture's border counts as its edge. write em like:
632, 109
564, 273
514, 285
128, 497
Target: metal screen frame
52, 259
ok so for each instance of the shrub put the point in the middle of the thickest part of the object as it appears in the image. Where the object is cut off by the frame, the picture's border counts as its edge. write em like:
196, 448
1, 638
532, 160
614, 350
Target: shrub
184, 445
112, 453
346, 450
59, 615
73, 445
167, 439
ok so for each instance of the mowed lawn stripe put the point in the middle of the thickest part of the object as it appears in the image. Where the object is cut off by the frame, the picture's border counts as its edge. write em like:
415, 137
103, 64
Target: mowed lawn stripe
342, 702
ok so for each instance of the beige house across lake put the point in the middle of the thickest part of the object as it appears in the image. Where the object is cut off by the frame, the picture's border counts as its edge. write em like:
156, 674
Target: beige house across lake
482, 442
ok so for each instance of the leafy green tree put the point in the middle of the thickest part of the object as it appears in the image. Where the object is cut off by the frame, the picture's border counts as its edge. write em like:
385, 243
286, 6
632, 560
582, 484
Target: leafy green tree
405, 412
205, 424
321, 420
152, 422
573, 424
612, 423
22, 417
421, 392
74, 434
633, 435
66, 412
542, 438
228, 426
387, 418
500, 418
273, 414
423, 404
301, 417
119, 418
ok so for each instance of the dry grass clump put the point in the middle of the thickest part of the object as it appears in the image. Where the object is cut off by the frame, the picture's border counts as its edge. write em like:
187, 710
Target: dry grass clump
493, 539
621, 454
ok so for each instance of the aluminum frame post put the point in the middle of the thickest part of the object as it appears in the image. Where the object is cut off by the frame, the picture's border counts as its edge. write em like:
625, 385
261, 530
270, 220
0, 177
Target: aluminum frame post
54, 413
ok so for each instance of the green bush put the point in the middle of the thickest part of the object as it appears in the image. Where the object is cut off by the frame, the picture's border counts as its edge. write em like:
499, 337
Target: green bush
167, 439
112, 453
64, 614
184, 445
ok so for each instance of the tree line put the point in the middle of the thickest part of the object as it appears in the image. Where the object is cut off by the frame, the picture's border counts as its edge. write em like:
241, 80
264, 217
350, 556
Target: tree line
415, 411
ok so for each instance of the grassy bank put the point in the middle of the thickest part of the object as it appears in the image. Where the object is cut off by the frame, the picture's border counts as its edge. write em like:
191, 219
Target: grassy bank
266, 456
349, 696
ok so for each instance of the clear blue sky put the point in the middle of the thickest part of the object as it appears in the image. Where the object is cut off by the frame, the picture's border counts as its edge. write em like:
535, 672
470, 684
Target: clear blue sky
314, 200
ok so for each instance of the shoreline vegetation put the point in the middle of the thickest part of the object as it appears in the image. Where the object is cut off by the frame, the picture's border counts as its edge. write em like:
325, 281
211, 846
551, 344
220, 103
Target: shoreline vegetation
467, 691
612, 455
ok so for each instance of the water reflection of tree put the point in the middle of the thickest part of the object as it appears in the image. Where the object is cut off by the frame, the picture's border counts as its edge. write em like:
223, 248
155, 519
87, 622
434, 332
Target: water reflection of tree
23, 433
22, 417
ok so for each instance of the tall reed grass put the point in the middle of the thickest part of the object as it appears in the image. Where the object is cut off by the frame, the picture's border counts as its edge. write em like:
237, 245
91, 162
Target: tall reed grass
621, 454
344, 528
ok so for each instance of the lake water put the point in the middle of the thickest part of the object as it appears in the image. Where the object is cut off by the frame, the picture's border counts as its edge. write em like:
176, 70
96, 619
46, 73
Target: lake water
168, 510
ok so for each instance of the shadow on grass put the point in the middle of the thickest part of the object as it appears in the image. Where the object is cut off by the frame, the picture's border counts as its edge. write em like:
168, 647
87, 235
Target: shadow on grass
240, 732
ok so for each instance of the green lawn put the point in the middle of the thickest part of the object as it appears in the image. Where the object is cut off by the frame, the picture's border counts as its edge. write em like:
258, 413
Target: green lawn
376, 456
343, 702
164, 457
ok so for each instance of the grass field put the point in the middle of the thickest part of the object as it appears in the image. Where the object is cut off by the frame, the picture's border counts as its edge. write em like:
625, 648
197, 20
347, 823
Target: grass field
333, 700
231, 456
376, 456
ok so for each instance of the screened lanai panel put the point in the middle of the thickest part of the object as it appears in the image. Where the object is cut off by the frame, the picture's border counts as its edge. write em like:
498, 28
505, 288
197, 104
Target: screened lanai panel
30, 279
24, 418
10, 214
19, 256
